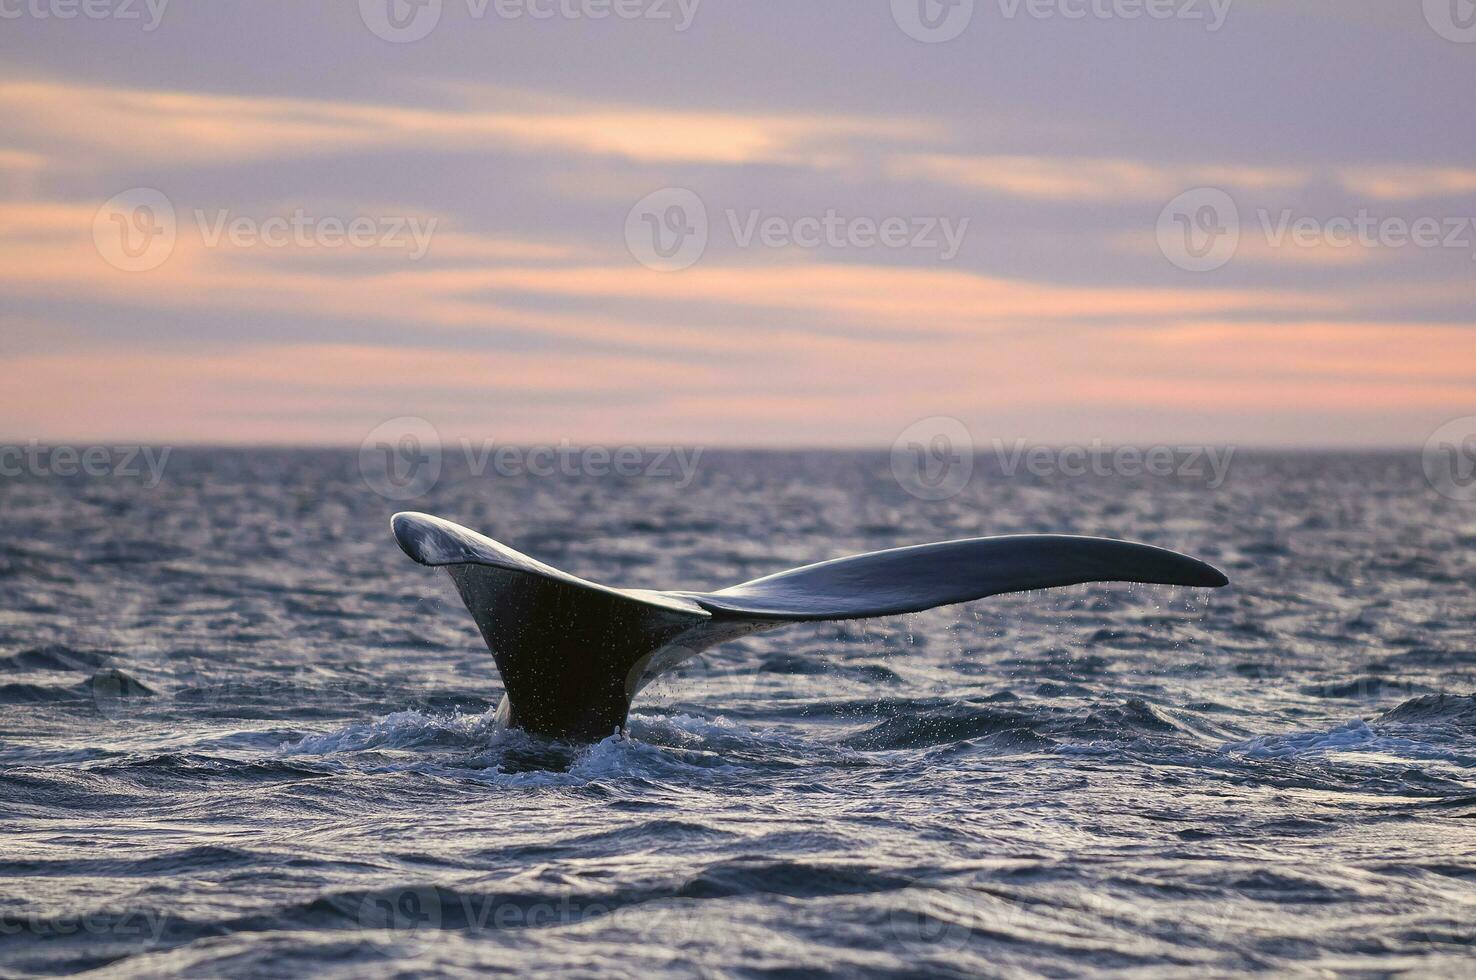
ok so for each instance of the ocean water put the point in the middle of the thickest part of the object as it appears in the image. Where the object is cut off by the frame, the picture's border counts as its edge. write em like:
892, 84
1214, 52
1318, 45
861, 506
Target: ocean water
242, 734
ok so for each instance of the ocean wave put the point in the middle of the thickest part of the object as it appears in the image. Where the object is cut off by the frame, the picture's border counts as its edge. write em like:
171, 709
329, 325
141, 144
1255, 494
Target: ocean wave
1355, 736
57, 656
1010, 723
21, 693
1445, 710
1043, 784
400, 730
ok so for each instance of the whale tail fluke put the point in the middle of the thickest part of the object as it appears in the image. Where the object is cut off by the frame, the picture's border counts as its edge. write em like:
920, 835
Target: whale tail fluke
572, 653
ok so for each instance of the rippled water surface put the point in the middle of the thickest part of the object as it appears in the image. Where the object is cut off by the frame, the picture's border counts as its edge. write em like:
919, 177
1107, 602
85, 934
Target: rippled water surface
241, 733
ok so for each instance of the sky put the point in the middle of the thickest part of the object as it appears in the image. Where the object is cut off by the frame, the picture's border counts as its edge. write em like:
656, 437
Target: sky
714, 222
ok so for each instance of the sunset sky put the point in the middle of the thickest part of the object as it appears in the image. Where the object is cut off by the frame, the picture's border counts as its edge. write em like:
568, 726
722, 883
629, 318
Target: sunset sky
1052, 146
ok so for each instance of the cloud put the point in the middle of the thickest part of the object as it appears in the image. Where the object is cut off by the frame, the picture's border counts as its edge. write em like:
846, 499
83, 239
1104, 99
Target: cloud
1351, 352
558, 333
1404, 183
19, 173
1065, 179
489, 283
18, 160
800, 390
1256, 248
287, 392
158, 126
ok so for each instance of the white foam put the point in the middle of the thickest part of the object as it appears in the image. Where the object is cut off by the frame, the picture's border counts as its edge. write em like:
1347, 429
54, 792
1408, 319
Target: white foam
486, 746
399, 730
1095, 747
1353, 736
711, 734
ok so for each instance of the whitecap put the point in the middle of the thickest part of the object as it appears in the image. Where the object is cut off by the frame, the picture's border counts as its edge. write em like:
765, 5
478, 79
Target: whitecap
1352, 736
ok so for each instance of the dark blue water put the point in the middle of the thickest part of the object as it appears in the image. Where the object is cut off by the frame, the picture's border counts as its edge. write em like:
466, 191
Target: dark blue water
241, 733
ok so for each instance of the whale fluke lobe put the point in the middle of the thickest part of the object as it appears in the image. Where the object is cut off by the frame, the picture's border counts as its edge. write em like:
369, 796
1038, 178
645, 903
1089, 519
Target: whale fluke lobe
573, 653
904, 580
